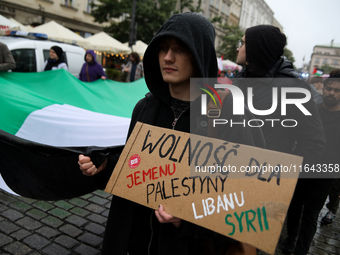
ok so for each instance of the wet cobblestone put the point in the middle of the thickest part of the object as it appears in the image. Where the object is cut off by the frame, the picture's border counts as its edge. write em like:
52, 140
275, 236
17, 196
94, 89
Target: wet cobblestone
76, 226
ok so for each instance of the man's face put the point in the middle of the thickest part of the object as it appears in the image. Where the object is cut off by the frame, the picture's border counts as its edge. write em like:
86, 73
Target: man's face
175, 62
53, 55
89, 57
241, 55
331, 94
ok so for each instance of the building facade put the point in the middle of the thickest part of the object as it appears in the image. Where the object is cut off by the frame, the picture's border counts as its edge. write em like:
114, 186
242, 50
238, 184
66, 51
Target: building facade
255, 12
73, 14
76, 14
235, 12
277, 24
325, 55
211, 9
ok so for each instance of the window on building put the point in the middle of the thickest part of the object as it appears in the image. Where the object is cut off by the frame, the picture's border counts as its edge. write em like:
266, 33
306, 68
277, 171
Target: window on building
88, 6
317, 60
335, 62
212, 2
325, 61
217, 3
68, 2
25, 60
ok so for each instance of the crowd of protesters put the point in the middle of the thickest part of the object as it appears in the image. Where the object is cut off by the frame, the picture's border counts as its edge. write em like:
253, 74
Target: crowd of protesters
90, 71
171, 59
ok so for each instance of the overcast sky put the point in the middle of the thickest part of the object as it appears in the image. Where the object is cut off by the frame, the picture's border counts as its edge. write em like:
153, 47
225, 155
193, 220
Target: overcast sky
307, 23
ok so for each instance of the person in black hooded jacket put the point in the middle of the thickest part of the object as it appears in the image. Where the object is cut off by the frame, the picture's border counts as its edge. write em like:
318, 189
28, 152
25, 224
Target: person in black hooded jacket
260, 52
182, 48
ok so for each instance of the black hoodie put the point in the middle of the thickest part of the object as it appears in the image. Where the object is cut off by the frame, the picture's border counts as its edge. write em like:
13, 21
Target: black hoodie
50, 63
128, 227
197, 34
264, 47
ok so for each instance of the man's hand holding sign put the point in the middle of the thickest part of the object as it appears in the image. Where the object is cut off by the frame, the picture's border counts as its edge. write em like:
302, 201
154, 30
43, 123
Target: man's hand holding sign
246, 206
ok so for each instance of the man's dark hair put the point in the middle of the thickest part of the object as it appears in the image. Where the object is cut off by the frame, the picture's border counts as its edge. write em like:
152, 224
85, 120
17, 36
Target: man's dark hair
178, 41
335, 72
135, 57
181, 44
333, 76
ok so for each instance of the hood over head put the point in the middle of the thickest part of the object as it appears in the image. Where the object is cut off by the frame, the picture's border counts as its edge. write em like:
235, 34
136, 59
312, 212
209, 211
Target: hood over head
198, 34
264, 47
60, 53
92, 54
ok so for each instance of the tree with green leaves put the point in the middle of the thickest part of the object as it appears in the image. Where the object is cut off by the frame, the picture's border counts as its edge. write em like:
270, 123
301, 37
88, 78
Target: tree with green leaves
150, 15
232, 34
190, 5
327, 69
289, 55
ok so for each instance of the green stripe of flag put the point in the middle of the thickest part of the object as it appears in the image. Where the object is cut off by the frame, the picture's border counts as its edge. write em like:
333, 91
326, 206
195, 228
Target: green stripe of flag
23, 93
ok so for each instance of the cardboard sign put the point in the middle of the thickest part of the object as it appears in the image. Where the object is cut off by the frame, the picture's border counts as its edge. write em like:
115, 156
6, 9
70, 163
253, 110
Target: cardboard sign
245, 198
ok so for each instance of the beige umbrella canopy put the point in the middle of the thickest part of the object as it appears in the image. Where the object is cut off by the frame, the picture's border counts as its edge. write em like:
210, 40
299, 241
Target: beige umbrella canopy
6, 24
21, 26
103, 42
139, 47
60, 33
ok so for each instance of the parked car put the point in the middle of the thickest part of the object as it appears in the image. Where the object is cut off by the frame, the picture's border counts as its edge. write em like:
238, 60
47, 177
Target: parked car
31, 53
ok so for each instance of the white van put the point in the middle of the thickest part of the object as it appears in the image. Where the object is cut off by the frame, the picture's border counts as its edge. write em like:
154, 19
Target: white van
31, 54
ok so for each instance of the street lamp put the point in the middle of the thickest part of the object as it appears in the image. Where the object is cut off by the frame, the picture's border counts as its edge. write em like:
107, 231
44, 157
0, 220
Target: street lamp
133, 26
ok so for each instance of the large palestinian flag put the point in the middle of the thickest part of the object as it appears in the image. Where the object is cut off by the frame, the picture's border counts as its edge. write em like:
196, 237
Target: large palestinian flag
48, 118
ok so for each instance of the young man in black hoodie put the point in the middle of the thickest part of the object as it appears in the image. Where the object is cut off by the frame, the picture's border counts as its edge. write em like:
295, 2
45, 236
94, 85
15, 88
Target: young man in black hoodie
260, 52
182, 48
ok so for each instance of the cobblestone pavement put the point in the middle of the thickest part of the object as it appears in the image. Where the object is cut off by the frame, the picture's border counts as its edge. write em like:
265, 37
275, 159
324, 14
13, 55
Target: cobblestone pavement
76, 226
326, 239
